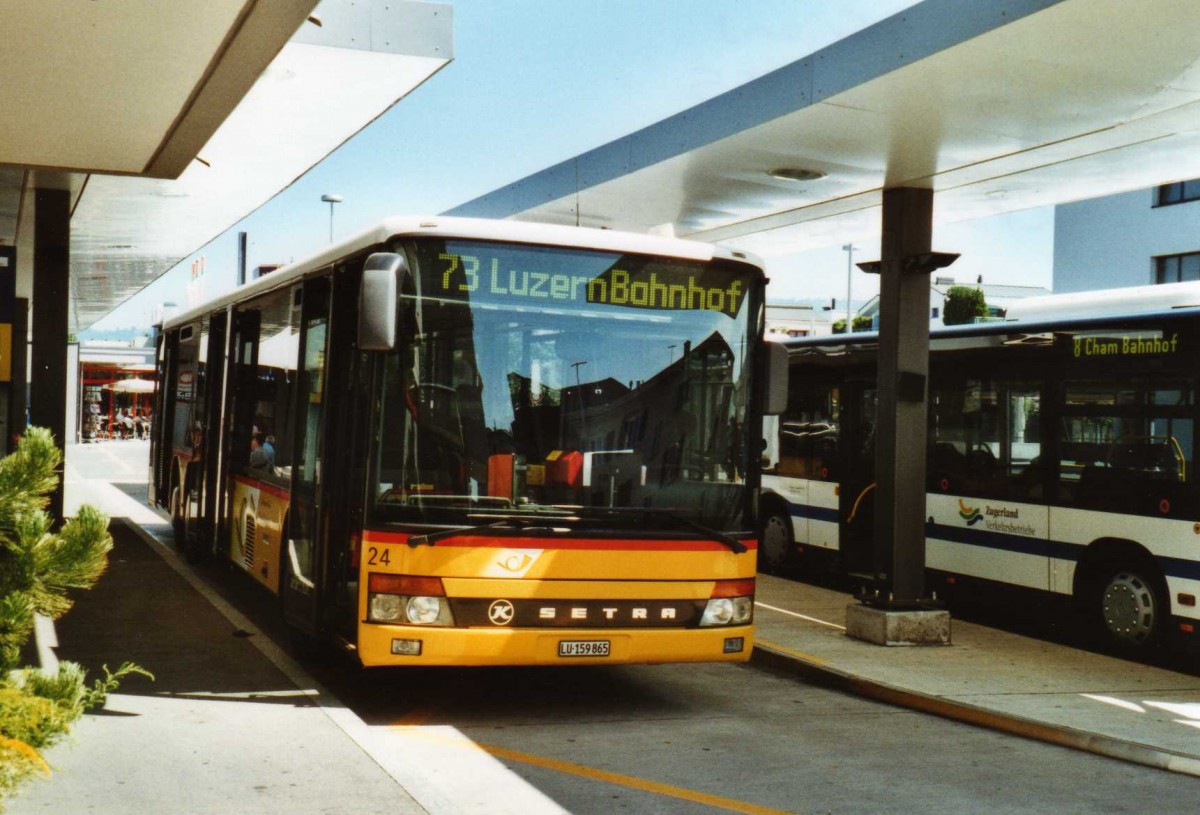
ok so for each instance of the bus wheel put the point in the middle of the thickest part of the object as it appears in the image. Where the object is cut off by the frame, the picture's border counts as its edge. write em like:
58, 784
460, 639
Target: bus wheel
776, 549
1132, 606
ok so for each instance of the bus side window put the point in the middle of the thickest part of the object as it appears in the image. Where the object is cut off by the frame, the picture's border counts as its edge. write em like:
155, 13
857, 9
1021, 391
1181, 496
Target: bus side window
1026, 470
268, 384
984, 439
808, 434
1128, 451
963, 437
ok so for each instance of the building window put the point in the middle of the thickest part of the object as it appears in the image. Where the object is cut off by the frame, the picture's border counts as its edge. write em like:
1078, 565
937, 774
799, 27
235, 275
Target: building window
1177, 268
1177, 193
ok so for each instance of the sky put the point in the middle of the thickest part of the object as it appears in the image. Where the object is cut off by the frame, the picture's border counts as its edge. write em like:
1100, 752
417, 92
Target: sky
1016, 249
535, 82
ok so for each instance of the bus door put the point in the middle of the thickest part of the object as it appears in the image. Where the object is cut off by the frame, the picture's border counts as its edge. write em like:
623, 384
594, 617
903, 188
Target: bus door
856, 502
306, 536
348, 397
210, 457
164, 419
238, 416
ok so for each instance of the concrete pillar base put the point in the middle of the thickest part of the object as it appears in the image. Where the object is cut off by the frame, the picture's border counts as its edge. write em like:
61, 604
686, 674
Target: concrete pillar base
889, 627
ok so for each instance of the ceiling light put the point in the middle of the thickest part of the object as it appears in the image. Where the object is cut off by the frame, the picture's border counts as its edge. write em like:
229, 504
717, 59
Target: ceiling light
795, 174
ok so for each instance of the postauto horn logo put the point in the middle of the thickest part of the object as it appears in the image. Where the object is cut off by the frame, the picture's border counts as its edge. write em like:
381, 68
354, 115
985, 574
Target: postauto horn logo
969, 514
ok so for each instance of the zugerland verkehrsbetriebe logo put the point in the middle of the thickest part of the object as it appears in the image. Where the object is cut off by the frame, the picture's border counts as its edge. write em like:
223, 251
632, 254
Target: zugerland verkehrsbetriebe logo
969, 514
1006, 520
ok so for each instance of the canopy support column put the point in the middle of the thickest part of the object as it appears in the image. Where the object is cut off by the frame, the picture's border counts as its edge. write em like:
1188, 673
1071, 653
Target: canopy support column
900, 613
51, 287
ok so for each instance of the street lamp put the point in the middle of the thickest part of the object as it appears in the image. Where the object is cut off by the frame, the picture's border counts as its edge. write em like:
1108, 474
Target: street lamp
849, 250
331, 200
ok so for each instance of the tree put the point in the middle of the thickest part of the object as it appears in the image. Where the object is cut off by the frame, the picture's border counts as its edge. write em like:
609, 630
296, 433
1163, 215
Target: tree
38, 567
862, 322
963, 305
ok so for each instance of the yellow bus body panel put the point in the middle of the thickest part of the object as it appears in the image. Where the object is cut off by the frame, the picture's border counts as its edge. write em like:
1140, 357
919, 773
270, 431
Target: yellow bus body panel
520, 569
256, 531
492, 559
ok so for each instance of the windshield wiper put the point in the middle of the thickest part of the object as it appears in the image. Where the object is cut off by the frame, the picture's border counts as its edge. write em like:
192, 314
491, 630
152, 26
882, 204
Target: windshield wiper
687, 523
505, 522
679, 521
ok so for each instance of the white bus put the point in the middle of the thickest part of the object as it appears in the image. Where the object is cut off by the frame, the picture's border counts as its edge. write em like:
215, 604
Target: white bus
1060, 459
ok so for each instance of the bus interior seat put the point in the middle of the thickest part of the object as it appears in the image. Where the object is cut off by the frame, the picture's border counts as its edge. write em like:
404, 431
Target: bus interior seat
1145, 460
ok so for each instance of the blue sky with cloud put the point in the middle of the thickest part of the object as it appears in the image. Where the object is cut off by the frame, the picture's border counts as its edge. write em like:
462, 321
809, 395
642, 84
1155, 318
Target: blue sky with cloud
535, 82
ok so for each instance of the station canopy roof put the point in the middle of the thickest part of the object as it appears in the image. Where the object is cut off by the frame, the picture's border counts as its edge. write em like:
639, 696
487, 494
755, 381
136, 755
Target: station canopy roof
170, 121
998, 106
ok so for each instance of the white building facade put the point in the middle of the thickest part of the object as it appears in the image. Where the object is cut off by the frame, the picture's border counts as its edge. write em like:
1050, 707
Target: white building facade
1137, 238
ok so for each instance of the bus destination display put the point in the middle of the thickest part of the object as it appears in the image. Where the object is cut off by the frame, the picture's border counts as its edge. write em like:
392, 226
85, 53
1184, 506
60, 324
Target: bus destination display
657, 285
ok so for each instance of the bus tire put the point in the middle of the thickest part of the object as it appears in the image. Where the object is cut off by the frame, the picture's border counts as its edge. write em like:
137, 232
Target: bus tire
1126, 603
776, 546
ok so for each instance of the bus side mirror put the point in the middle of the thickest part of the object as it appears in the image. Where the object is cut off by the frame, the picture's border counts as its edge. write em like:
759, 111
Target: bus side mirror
379, 301
777, 379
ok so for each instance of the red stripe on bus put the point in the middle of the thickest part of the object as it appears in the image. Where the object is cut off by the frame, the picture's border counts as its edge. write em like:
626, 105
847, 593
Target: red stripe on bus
601, 544
264, 486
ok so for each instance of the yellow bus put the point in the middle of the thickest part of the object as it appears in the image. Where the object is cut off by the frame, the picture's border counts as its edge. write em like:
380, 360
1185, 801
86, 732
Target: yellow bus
465, 442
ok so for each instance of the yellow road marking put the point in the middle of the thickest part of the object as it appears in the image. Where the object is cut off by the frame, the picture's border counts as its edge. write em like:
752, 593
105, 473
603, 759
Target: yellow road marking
635, 783
416, 717
585, 772
799, 654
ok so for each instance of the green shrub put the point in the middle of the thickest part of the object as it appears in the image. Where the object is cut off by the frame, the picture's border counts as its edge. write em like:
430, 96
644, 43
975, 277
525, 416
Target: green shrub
963, 305
18, 761
34, 720
38, 567
862, 322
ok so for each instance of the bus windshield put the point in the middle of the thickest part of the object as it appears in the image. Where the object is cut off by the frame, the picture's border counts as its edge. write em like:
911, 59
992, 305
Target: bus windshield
549, 381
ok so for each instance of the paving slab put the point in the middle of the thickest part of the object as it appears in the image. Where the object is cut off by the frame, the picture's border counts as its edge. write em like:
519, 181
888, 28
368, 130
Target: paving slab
1046, 690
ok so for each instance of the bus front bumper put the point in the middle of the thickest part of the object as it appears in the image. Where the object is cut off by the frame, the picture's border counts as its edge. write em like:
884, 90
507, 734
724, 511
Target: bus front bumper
394, 645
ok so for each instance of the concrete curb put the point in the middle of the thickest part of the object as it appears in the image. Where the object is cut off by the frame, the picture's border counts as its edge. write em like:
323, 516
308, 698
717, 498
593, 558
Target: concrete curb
776, 657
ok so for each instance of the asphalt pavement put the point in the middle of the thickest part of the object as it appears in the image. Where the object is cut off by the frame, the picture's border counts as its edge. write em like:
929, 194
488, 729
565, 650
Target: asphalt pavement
231, 719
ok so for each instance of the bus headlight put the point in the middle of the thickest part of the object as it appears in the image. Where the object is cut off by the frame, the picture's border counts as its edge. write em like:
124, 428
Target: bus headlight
718, 612
425, 610
384, 607
732, 603
393, 598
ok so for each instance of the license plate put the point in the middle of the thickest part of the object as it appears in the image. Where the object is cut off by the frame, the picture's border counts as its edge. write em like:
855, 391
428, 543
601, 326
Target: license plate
583, 648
